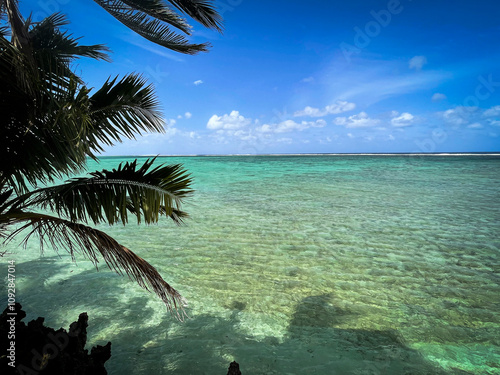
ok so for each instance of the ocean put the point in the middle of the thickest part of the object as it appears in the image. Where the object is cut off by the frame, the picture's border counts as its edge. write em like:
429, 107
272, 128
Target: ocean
298, 264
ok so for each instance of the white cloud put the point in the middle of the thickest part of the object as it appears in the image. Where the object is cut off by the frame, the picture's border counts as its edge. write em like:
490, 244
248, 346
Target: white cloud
360, 120
475, 125
471, 117
290, 125
309, 111
198, 82
186, 115
438, 97
417, 62
458, 116
454, 117
169, 123
338, 107
170, 132
405, 119
136, 40
308, 80
265, 128
232, 121
492, 112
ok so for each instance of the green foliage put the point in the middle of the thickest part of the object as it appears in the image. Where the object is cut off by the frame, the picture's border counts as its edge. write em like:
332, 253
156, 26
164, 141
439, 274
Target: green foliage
109, 196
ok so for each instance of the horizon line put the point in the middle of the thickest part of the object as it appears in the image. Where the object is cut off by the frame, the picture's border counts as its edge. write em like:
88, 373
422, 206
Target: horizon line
479, 153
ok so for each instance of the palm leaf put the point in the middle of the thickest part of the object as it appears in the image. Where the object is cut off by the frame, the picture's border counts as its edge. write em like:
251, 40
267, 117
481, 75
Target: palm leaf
153, 8
63, 124
110, 196
122, 109
52, 45
202, 11
44, 107
19, 32
151, 28
75, 237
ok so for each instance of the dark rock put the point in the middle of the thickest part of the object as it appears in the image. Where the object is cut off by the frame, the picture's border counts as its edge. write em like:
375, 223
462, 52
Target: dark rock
43, 350
234, 369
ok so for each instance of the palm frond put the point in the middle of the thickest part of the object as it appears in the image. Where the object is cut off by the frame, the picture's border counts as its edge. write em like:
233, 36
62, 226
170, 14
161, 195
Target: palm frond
46, 37
202, 11
20, 38
156, 9
92, 243
39, 131
122, 109
150, 28
44, 107
61, 122
110, 196
4, 32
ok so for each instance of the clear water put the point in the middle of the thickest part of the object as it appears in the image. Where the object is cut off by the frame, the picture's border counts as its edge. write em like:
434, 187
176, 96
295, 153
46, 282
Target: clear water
300, 265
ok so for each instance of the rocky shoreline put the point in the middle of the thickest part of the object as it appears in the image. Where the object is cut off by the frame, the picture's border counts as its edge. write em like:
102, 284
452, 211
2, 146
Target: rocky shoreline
36, 349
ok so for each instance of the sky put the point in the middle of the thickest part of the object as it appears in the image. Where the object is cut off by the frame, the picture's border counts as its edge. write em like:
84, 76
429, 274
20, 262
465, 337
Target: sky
312, 76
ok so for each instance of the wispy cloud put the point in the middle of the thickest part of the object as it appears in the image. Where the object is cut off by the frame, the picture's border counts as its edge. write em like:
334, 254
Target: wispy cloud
492, 112
307, 80
372, 89
438, 97
336, 108
198, 82
402, 120
417, 62
133, 39
361, 120
290, 126
475, 125
370, 81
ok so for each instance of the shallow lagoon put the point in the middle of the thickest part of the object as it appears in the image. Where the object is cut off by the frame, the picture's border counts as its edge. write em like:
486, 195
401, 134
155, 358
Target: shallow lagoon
301, 264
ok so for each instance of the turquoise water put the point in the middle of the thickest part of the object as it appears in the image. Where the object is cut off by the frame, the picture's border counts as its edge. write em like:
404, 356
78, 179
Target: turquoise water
300, 265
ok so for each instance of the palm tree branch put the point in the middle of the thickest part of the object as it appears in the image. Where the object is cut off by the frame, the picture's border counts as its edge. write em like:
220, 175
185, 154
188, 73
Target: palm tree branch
154, 8
48, 39
202, 11
19, 32
75, 237
123, 108
109, 196
152, 29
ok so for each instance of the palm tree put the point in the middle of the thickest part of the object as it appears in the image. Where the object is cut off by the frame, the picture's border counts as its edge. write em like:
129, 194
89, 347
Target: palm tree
50, 123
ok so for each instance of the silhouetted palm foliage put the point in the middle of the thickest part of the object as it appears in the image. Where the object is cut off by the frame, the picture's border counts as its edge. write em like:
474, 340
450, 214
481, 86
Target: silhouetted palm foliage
152, 20
50, 122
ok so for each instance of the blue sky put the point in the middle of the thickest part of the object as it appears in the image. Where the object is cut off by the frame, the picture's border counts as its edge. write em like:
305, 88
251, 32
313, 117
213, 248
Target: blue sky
313, 76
